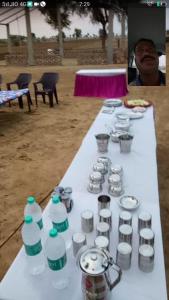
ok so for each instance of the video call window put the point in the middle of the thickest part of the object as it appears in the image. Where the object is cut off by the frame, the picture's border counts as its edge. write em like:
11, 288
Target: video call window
146, 45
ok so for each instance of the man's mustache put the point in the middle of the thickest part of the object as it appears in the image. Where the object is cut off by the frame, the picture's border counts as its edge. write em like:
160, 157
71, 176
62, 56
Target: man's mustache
147, 56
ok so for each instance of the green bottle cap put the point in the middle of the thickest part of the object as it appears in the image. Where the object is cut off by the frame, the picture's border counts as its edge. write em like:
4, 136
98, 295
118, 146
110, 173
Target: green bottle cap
55, 199
28, 219
31, 200
53, 232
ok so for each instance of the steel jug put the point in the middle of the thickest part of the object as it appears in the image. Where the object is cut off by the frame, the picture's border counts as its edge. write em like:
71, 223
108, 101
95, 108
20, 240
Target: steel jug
95, 264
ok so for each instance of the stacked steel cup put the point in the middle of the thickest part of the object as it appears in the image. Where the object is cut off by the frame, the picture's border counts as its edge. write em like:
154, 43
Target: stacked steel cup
146, 243
95, 183
115, 181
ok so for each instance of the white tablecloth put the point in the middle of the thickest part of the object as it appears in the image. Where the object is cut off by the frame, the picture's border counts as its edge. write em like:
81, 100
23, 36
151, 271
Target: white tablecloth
101, 72
140, 180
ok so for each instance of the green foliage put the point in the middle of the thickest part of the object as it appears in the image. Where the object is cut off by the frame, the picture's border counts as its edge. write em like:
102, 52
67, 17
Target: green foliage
17, 39
51, 14
3, 41
77, 33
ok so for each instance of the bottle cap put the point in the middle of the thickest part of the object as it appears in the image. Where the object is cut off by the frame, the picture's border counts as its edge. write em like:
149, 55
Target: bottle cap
55, 199
53, 232
28, 219
31, 200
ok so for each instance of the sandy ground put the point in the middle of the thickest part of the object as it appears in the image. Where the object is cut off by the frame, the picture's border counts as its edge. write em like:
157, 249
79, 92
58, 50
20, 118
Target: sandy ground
37, 148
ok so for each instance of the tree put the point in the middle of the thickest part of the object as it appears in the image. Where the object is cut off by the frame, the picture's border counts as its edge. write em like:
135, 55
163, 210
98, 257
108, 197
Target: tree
63, 36
33, 36
43, 38
77, 33
58, 17
100, 15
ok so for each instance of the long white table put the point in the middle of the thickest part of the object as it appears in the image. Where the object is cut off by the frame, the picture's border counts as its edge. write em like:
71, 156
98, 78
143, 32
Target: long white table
140, 180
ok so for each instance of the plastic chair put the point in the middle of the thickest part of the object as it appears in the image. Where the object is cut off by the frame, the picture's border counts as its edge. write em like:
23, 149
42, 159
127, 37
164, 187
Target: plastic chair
22, 81
48, 82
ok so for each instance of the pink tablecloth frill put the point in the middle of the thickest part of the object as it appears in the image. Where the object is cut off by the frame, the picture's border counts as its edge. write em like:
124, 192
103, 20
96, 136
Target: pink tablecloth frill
101, 86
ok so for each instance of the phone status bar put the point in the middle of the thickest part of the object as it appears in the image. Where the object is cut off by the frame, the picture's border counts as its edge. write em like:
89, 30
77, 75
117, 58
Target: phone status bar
28, 4
153, 3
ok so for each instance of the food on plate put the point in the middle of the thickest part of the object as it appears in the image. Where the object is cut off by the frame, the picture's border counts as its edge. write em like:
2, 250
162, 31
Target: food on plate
137, 102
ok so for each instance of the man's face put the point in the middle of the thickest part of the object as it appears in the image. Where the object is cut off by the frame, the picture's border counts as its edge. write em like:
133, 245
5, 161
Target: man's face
146, 58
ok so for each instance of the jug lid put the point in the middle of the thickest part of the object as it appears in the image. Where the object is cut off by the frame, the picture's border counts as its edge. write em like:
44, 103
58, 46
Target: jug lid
94, 261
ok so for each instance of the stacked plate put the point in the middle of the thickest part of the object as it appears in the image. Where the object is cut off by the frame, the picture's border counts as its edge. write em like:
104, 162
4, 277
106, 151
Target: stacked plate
112, 102
130, 115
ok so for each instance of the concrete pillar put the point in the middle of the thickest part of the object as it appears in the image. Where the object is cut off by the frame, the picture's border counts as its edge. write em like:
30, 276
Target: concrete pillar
123, 25
60, 32
31, 60
110, 38
9, 39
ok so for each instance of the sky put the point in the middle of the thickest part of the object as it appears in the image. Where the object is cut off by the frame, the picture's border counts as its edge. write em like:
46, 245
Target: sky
41, 28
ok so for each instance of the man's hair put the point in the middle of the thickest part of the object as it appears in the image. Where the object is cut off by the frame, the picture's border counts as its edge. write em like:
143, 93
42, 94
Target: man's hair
144, 40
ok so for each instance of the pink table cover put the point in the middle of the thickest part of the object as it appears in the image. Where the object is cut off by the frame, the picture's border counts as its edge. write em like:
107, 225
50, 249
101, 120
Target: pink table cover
112, 86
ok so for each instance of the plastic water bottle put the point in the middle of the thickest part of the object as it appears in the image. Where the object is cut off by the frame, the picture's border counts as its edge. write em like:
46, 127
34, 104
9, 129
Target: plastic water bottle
59, 218
33, 209
55, 251
33, 247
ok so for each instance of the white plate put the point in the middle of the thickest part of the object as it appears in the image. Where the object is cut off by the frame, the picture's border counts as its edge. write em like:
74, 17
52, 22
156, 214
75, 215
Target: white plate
112, 102
139, 109
122, 116
108, 111
136, 115
129, 202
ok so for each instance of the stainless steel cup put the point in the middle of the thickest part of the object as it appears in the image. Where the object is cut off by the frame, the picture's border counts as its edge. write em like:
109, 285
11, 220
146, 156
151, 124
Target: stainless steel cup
106, 161
125, 143
94, 188
125, 233
95, 177
103, 228
102, 242
87, 221
103, 202
105, 215
78, 241
146, 237
146, 258
123, 256
102, 140
58, 190
115, 191
125, 217
100, 167
117, 169
144, 220
115, 135
66, 197
114, 180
